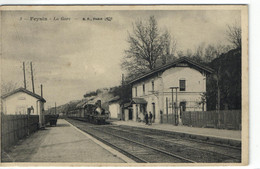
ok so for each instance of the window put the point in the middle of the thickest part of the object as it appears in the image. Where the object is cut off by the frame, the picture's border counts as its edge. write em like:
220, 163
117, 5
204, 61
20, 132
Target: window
152, 85
135, 91
182, 85
143, 88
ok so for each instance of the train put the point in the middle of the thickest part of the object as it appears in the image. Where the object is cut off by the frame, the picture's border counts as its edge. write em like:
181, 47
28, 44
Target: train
90, 112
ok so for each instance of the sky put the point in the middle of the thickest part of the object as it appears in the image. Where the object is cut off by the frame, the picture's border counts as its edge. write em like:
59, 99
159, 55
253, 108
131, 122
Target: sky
72, 57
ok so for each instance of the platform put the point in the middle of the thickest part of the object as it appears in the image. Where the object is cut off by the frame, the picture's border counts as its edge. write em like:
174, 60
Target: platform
207, 133
63, 143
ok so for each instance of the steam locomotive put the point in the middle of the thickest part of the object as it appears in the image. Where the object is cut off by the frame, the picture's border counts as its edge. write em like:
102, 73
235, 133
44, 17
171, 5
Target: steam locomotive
90, 112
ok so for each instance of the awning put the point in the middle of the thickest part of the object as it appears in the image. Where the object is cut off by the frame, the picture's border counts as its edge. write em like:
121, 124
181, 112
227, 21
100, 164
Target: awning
138, 101
127, 105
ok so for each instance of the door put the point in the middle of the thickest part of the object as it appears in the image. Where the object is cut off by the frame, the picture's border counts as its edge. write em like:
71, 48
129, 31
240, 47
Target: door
130, 114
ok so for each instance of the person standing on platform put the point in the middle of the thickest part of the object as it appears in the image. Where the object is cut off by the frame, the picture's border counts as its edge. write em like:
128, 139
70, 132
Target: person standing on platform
146, 118
150, 117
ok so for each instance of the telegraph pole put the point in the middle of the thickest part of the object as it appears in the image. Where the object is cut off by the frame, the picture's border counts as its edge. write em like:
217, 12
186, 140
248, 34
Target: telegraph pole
41, 91
172, 103
24, 79
122, 97
32, 78
55, 109
167, 108
175, 107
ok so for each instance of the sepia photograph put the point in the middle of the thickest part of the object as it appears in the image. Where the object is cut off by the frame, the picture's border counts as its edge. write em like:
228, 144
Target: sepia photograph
137, 85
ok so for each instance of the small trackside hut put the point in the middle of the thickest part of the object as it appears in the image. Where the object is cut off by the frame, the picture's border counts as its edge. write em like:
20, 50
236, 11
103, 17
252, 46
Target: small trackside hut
24, 102
170, 89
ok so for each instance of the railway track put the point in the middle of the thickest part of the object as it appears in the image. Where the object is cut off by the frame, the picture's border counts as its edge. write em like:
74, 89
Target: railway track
137, 151
146, 147
181, 137
228, 153
141, 152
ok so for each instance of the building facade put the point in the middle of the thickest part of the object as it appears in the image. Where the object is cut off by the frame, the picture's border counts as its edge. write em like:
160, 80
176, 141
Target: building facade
170, 89
114, 110
23, 102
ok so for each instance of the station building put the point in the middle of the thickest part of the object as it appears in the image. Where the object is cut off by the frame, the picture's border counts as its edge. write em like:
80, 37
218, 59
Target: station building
155, 91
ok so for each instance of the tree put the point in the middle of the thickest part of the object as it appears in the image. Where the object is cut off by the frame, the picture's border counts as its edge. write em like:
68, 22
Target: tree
7, 87
168, 54
214, 51
210, 53
189, 53
198, 56
234, 35
224, 86
180, 53
147, 45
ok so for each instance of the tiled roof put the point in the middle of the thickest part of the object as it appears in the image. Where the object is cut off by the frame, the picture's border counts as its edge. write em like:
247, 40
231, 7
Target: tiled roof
172, 64
115, 99
25, 91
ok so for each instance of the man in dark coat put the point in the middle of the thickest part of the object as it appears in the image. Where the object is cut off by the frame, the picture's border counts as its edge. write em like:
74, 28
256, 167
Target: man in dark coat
150, 117
146, 118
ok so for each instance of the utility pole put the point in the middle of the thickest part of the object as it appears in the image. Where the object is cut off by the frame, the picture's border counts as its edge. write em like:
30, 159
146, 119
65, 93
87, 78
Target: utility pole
167, 108
122, 87
172, 104
122, 97
55, 109
217, 76
32, 78
175, 107
218, 102
24, 79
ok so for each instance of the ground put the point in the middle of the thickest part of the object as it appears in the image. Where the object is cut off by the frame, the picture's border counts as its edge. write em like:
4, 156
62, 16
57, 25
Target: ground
63, 143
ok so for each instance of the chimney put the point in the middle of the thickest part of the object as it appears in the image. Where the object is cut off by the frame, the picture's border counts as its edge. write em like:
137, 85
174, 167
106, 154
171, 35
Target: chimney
41, 91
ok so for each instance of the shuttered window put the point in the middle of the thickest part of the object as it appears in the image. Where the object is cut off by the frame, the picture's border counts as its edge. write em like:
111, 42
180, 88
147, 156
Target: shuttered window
182, 85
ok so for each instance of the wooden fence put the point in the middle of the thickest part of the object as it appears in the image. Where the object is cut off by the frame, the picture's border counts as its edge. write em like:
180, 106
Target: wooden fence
15, 127
169, 119
225, 119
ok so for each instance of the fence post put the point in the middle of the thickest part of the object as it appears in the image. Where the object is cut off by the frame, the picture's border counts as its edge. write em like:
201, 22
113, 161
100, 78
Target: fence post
28, 127
13, 128
161, 115
190, 118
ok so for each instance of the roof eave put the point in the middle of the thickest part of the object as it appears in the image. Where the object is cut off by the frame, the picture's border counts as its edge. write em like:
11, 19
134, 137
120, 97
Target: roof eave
206, 69
25, 91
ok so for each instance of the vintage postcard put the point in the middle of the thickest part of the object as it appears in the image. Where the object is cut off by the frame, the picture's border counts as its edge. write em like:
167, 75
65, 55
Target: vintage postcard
139, 85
